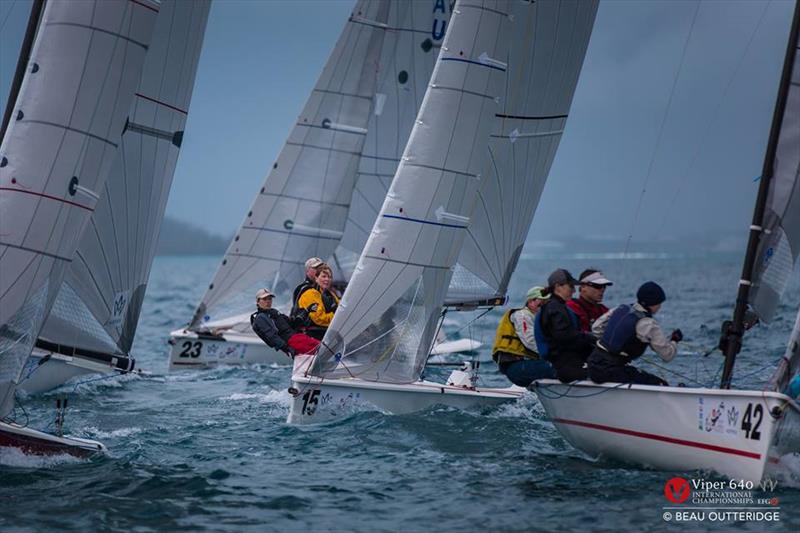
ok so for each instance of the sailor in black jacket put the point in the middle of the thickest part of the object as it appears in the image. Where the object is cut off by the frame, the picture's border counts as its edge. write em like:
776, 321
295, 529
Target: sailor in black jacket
568, 345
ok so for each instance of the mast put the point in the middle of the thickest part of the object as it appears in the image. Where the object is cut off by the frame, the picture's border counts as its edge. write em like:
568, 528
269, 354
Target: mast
732, 336
22, 62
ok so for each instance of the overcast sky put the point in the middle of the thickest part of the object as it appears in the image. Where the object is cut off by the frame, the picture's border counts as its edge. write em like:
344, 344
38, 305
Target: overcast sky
715, 64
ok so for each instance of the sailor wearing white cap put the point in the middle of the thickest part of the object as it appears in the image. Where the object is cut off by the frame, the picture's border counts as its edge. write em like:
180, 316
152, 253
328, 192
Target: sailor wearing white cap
589, 303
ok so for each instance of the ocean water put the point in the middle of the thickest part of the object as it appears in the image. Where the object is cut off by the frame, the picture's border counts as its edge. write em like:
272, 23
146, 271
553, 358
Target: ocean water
210, 450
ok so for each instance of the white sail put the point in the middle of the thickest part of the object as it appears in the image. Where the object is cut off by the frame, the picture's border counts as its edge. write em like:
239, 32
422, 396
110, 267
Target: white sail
301, 209
385, 323
413, 40
98, 305
541, 81
780, 241
57, 153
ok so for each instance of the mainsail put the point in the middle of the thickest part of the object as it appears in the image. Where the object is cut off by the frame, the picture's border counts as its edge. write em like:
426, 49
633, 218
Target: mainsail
302, 207
414, 35
98, 305
780, 242
386, 321
57, 153
540, 84
524, 57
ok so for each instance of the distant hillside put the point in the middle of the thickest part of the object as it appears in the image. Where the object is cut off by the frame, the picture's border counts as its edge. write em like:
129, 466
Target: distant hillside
181, 238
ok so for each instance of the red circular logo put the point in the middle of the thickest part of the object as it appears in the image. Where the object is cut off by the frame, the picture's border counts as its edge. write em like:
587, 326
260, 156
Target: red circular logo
677, 490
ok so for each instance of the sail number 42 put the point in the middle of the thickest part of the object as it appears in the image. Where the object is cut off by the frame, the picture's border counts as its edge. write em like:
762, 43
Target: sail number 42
751, 421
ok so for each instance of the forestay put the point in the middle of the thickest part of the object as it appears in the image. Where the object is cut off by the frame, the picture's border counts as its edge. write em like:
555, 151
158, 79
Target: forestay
780, 242
386, 321
98, 305
541, 80
301, 209
56, 154
413, 39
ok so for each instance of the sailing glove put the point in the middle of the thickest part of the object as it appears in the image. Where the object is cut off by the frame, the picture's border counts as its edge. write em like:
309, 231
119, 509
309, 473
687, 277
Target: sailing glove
291, 352
677, 336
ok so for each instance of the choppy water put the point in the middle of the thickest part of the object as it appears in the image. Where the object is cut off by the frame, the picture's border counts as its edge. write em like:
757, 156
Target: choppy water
211, 450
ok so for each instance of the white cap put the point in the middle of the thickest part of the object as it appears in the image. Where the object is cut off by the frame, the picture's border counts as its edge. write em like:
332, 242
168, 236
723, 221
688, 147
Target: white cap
313, 262
263, 293
596, 278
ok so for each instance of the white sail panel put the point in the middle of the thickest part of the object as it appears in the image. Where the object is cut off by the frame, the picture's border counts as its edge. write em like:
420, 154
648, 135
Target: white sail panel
386, 321
112, 263
56, 154
301, 210
413, 40
541, 82
780, 242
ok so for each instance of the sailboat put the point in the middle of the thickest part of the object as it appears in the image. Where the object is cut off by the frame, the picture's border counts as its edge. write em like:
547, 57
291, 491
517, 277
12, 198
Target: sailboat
744, 434
484, 139
75, 80
93, 321
336, 163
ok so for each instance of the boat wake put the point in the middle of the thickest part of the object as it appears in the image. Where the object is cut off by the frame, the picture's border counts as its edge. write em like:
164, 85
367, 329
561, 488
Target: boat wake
15, 458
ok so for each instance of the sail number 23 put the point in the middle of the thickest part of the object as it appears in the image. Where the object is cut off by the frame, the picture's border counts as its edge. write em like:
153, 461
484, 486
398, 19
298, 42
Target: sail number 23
191, 349
751, 421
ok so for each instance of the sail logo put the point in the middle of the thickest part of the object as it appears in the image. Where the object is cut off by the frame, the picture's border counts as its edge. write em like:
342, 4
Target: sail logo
677, 490
733, 416
118, 308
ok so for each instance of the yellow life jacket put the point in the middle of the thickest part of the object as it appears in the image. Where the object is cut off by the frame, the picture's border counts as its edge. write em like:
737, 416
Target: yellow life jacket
506, 339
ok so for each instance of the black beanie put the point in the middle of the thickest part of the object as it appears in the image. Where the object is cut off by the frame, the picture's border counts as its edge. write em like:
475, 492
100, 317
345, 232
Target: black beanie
650, 293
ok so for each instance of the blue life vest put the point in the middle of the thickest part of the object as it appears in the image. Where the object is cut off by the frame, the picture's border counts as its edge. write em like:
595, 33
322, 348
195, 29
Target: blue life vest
620, 337
541, 339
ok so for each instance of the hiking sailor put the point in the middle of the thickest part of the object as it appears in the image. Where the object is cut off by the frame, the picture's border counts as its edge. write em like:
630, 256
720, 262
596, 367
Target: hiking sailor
589, 303
625, 333
273, 328
515, 350
561, 340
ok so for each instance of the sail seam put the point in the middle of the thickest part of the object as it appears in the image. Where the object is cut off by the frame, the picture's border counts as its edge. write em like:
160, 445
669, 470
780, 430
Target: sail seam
100, 30
33, 250
338, 150
265, 258
463, 91
399, 262
49, 197
300, 198
293, 233
74, 130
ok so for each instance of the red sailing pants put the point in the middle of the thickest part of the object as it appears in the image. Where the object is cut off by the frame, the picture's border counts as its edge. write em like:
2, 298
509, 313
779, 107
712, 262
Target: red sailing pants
302, 343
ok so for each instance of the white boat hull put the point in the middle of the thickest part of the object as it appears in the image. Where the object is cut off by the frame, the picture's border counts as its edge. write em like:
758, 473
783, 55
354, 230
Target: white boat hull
741, 434
33, 442
57, 370
190, 350
318, 400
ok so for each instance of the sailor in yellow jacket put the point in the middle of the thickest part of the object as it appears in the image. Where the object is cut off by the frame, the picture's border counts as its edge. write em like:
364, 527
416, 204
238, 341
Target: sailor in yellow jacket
515, 350
321, 302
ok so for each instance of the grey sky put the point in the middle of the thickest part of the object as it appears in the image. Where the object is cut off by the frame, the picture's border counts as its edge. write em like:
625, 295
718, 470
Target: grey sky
261, 59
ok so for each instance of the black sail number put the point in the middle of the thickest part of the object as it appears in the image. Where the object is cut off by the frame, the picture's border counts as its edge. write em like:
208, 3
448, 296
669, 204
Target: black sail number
191, 349
310, 401
751, 421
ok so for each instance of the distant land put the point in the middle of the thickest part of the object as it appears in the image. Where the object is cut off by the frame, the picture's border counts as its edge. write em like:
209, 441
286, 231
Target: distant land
182, 238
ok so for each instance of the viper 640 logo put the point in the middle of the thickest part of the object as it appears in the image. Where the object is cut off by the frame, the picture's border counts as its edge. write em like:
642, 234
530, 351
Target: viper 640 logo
677, 490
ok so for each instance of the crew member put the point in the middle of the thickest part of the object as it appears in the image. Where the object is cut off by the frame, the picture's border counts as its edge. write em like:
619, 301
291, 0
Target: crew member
273, 328
311, 266
625, 333
515, 350
320, 301
566, 346
589, 303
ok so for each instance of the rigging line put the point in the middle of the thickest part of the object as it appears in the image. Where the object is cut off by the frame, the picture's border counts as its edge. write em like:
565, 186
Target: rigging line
661, 129
10, 9
714, 116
